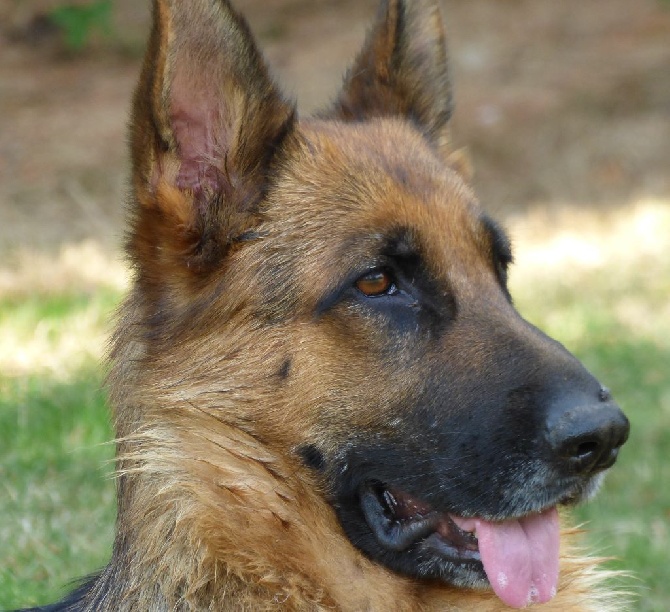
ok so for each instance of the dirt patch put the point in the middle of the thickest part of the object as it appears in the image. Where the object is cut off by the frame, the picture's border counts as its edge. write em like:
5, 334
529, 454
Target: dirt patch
560, 103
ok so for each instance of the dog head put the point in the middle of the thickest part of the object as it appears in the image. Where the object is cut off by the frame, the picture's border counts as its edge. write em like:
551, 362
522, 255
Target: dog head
331, 286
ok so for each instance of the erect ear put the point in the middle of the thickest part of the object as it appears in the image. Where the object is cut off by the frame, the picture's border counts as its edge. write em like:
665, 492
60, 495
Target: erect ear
402, 70
207, 122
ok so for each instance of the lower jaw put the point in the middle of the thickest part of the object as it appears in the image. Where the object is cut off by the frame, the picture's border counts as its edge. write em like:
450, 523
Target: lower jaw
443, 563
445, 549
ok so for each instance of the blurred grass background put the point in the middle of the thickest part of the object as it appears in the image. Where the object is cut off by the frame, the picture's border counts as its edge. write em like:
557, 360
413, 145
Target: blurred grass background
56, 490
599, 284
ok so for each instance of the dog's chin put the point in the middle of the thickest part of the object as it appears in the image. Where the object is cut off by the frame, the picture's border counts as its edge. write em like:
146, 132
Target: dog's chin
586, 491
409, 536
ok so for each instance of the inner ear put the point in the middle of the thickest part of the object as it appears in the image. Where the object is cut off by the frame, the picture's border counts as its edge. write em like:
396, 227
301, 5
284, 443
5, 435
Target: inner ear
208, 122
200, 135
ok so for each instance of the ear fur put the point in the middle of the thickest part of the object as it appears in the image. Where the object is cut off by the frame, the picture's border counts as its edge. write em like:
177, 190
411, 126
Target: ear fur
207, 121
402, 70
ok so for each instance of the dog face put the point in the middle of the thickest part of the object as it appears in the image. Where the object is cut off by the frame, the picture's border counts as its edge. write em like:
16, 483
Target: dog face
336, 281
434, 410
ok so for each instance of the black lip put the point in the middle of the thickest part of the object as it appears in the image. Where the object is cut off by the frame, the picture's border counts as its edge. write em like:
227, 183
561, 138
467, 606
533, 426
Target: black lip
428, 529
430, 534
392, 533
438, 545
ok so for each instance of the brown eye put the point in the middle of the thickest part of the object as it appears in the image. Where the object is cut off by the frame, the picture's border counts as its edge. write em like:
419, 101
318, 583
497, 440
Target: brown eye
376, 283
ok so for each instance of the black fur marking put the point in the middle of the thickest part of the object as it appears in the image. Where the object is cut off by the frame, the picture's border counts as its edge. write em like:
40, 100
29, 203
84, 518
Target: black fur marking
312, 457
285, 369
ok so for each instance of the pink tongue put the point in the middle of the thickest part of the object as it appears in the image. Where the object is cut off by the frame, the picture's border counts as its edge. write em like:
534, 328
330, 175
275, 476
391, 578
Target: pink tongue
520, 557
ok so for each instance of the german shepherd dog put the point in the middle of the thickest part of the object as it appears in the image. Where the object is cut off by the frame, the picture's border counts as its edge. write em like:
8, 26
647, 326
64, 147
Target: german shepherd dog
323, 395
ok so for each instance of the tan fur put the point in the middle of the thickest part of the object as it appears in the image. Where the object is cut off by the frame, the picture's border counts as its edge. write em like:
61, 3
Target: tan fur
216, 512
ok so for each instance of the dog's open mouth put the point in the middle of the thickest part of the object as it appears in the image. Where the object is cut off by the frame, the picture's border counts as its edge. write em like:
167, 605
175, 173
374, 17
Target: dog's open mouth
519, 556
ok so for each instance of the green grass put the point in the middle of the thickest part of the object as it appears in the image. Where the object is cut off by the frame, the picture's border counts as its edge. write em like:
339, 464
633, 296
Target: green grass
57, 498
56, 492
55, 334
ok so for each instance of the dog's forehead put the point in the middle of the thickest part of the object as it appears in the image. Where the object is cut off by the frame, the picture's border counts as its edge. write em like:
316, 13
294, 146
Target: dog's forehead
379, 178
373, 148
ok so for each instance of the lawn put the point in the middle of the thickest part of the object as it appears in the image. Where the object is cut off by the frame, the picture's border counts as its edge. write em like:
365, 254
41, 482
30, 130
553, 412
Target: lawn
600, 284
56, 489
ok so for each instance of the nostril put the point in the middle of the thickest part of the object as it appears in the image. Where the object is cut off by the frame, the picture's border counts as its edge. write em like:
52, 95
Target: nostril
586, 449
583, 455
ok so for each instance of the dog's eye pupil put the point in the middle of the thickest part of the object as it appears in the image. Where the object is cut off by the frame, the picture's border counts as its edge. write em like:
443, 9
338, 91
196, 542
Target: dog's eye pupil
376, 283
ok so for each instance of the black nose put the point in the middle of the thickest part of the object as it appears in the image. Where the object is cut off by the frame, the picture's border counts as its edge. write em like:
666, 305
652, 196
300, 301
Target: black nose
585, 433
